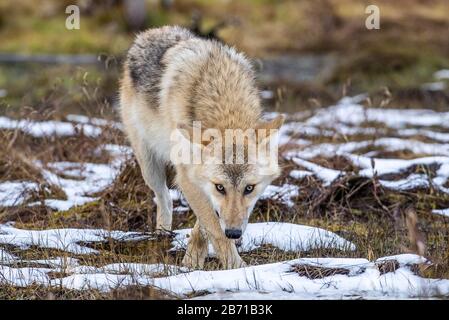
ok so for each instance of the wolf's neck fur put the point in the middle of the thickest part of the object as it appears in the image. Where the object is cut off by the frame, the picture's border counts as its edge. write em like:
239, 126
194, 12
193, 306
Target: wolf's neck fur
218, 84
226, 96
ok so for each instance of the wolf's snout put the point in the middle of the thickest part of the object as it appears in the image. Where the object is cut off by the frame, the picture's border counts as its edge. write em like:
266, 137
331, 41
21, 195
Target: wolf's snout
233, 233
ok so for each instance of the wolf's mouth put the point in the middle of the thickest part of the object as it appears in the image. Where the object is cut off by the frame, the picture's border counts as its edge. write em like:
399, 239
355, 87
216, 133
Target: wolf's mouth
238, 242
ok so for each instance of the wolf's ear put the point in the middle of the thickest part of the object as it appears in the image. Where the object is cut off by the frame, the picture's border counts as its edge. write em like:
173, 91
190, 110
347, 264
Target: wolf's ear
265, 129
276, 123
185, 130
188, 133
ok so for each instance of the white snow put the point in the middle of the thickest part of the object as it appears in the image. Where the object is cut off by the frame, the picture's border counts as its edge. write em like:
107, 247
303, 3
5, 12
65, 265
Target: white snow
405, 259
140, 269
350, 113
327, 149
64, 264
387, 166
63, 239
6, 257
434, 86
285, 236
283, 193
13, 193
388, 144
80, 179
413, 181
41, 129
23, 277
268, 281
266, 94
94, 178
101, 281
443, 212
441, 74
395, 144
327, 175
364, 279
299, 174
438, 136
94, 121
115, 150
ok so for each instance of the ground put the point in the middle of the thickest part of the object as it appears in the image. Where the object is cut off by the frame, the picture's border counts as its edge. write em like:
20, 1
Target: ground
359, 211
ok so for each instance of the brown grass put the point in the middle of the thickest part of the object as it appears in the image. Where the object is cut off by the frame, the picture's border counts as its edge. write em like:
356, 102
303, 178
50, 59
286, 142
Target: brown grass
316, 272
356, 208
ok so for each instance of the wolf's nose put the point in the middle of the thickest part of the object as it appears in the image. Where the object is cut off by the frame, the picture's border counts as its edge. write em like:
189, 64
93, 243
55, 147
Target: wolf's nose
233, 233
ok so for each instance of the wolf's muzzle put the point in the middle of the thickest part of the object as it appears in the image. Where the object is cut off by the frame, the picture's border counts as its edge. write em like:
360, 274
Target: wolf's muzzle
233, 233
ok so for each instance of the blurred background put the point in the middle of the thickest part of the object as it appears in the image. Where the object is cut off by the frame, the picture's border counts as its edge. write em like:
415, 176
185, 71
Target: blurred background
308, 53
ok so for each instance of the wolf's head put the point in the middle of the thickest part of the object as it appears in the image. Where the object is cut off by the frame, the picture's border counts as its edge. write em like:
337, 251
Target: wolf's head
234, 178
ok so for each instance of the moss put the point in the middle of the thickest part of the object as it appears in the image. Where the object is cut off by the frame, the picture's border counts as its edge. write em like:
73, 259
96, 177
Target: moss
79, 211
38, 35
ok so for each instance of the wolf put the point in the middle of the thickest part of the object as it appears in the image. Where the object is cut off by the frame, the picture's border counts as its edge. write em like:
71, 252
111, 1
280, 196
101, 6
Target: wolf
171, 80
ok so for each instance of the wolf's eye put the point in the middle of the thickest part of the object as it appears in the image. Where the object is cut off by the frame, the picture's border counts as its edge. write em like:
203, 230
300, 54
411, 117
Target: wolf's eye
220, 188
248, 189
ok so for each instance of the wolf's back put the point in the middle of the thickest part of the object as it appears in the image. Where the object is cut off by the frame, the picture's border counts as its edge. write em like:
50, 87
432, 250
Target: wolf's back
144, 58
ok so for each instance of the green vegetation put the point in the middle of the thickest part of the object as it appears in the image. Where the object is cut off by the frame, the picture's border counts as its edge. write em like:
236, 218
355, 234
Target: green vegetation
410, 46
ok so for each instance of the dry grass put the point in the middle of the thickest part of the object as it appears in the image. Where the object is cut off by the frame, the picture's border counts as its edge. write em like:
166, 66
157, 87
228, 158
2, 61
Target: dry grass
358, 209
377, 220
314, 272
387, 266
37, 292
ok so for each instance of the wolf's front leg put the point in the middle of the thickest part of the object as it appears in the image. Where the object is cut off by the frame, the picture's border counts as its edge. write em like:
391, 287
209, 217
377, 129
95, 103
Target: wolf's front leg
197, 248
225, 248
227, 252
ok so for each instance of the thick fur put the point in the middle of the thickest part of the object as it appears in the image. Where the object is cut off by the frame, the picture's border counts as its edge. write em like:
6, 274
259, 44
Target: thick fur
172, 78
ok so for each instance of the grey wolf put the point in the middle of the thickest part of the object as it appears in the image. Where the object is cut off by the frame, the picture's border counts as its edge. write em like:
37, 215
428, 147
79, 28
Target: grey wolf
172, 79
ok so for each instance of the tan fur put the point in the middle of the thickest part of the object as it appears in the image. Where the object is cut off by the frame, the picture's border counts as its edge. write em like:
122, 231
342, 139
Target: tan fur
201, 81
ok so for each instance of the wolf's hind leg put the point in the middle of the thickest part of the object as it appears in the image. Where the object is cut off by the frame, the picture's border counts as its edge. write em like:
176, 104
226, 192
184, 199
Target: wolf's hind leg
196, 251
154, 174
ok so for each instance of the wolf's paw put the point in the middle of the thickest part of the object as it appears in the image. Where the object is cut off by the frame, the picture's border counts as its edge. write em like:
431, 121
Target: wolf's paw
164, 227
241, 264
161, 234
192, 262
235, 264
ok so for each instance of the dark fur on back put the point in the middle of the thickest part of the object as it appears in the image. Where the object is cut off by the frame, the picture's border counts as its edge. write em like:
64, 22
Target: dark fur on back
144, 59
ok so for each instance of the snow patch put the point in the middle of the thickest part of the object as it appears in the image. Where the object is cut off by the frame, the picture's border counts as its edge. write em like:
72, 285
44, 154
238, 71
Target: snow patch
285, 236
63, 239
14, 193
283, 193
40, 129
443, 212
